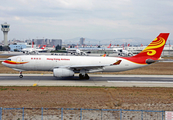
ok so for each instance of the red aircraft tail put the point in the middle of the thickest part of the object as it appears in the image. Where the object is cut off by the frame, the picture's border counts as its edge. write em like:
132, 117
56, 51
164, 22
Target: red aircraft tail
155, 48
109, 46
43, 47
152, 52
32, 44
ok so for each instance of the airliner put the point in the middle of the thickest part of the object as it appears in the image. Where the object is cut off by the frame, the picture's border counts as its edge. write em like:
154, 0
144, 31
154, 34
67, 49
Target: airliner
122, 52
33, 50
65, 66
77, 51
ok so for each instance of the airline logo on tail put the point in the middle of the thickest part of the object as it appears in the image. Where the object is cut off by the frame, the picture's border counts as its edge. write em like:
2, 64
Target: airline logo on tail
151, 48
153, 51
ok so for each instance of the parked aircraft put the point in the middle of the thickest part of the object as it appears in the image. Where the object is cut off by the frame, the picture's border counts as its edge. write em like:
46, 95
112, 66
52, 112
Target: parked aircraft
87, 51
122, 52
64, 66
33, 50
76, 51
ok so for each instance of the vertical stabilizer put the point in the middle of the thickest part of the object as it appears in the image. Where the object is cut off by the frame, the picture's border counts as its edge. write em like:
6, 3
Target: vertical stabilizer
155, 48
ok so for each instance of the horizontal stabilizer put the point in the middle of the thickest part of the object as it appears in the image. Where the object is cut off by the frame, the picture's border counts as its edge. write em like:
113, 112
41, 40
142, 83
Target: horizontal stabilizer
117, 63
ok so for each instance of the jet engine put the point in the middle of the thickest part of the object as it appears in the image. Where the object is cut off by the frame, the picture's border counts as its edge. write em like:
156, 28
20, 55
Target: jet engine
62, 72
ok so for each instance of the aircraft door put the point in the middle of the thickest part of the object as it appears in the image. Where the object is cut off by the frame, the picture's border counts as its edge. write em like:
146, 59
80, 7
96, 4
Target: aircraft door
18, 62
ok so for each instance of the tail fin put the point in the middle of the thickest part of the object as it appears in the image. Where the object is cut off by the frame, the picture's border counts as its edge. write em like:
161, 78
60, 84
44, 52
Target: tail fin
155, 48
104, 55
32, 44
43, 47
109, 46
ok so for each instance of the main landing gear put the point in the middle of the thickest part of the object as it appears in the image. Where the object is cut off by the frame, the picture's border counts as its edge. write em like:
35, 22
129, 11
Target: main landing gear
21, 76
84, 76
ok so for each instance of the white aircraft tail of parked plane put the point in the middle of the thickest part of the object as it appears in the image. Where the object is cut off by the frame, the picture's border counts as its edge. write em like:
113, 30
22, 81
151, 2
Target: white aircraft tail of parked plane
33, 50
122, 52
77, 51
64, 66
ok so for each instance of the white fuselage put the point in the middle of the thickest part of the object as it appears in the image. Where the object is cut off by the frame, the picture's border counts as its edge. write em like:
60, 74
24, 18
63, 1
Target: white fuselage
31, 50
49, 62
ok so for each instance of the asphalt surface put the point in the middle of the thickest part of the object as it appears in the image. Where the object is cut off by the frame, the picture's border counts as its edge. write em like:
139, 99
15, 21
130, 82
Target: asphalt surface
95, 80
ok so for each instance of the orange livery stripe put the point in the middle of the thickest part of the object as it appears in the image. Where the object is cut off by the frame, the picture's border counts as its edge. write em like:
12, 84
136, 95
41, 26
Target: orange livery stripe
14, 62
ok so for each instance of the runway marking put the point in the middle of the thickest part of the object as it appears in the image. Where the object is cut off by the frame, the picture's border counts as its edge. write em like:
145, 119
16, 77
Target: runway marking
141, 81
35, 84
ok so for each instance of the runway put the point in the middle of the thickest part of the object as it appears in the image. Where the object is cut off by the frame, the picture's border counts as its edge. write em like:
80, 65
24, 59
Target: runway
95, 80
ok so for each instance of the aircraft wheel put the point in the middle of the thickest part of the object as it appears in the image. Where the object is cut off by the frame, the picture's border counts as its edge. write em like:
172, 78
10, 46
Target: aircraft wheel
81, 76
84, 77
21, 76
87, 77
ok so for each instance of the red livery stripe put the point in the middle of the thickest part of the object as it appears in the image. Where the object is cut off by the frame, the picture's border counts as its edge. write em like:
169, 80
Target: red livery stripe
14, 62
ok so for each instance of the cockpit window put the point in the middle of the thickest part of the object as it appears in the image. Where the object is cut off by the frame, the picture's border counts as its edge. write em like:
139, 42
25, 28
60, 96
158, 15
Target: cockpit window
9, 59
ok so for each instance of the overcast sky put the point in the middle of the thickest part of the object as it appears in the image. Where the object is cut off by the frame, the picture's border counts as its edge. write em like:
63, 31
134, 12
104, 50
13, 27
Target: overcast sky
96, 19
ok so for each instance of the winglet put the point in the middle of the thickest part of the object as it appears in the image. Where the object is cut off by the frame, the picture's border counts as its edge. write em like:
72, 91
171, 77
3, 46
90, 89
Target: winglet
104, 55
117, 63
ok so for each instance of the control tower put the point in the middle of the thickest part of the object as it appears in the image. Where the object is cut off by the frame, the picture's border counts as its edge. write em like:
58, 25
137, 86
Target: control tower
5, 28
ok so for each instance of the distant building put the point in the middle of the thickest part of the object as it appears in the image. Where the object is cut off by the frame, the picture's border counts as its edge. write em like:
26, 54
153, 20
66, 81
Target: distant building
47, 41
39, 41
82, 41
28, 41
19, 46
14, 41
56, 42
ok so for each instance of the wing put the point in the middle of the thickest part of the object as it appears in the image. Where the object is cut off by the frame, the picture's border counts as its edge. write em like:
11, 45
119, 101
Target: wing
90, 67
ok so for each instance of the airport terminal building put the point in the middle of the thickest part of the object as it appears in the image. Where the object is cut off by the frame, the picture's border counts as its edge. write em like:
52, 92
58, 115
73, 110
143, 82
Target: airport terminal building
19, 46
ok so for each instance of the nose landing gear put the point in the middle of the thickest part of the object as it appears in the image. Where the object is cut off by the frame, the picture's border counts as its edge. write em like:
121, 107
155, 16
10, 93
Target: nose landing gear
20, 76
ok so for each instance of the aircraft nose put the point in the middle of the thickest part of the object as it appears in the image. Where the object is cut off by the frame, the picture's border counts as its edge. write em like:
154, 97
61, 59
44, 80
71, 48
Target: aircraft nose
3, 62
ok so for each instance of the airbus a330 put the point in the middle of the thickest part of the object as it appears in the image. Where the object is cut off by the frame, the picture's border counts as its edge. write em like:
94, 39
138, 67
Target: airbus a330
65, 66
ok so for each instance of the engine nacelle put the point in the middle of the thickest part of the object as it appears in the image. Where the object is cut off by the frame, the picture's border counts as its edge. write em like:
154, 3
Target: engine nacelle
62, 72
